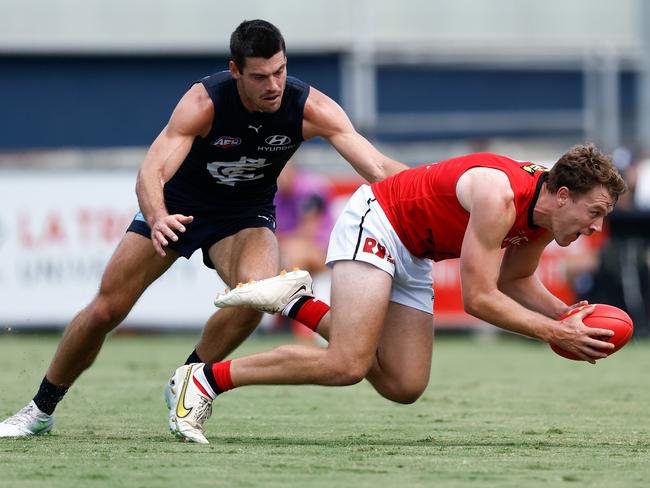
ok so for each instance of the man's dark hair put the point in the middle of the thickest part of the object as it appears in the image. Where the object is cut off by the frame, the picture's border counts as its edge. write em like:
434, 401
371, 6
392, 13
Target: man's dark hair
584, 167
255, 39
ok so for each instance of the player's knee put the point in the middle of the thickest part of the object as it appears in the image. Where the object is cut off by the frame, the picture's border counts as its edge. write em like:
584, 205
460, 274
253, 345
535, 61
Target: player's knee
348, 370
407, 394
404, 390
255, 273
352, 376
347, 377
106, 313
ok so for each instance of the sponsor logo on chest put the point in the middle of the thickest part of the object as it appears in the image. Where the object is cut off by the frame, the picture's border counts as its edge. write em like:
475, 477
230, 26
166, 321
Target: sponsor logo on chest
273, 143
276, 142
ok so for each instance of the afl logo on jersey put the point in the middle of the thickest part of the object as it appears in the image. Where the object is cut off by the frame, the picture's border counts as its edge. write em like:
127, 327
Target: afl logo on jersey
224, 142
278, 140
516, 240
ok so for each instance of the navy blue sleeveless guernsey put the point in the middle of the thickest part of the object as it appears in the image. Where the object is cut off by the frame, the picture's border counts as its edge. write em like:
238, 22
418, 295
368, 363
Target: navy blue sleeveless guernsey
237, 164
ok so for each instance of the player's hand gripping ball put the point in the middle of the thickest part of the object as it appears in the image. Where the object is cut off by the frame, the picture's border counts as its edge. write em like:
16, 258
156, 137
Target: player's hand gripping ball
603, 317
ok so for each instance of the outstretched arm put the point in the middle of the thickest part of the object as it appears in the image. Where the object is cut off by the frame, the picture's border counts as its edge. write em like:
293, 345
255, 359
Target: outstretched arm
192, 117
325, 118
487, 195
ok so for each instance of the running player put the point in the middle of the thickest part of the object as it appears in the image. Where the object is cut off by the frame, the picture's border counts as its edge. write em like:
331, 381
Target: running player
208, 183
380, 323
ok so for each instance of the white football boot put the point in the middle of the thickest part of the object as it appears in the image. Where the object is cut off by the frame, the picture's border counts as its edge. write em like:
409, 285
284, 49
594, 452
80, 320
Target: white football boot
29, 420
270, 295
170, 401
191, 407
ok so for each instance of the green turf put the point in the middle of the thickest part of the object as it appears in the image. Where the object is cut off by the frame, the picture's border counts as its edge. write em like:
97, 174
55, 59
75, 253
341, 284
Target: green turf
502, 413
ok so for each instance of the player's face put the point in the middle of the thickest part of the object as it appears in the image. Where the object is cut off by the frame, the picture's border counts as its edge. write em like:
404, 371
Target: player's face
261, 83
583, 214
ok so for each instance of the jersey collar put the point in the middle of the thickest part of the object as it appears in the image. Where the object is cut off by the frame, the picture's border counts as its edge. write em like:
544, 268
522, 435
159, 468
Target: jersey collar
533, 202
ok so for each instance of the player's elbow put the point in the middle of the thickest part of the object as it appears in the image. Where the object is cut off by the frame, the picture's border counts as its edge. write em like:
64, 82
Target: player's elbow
470, 307
140, 187
475, 303
138, 182
375, 174
504, 286
386, 168
147, 177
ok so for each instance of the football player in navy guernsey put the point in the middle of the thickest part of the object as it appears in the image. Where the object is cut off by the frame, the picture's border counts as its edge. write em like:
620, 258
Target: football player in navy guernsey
208, 182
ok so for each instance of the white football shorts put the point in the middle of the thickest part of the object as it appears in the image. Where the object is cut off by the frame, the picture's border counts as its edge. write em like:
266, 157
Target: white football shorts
363, 233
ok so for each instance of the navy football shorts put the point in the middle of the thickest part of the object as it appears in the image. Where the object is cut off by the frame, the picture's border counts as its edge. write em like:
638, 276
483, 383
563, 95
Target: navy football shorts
207, 229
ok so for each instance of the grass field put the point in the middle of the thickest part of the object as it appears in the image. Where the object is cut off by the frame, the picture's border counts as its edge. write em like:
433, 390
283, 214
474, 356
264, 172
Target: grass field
498, 412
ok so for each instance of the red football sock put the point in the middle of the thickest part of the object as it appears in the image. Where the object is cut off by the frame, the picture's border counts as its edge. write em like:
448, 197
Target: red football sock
308, 311
218, 376
221, 372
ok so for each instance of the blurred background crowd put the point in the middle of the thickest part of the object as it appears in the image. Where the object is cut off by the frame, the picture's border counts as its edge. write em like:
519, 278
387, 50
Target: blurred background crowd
85, 86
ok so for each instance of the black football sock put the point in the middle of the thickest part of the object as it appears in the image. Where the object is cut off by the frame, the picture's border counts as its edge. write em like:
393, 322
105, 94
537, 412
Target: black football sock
48, 396
193, 358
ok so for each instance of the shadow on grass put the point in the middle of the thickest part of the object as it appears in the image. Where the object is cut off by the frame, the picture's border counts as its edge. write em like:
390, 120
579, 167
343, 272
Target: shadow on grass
550, 441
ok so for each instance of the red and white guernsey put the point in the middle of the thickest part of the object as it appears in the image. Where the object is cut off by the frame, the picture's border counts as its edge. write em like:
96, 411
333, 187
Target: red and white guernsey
422, 206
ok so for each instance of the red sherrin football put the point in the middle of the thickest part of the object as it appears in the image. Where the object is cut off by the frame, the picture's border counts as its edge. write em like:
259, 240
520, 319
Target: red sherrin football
603, 317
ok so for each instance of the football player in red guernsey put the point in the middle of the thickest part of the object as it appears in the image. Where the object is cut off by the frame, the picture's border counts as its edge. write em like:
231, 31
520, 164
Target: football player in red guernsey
380, 323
